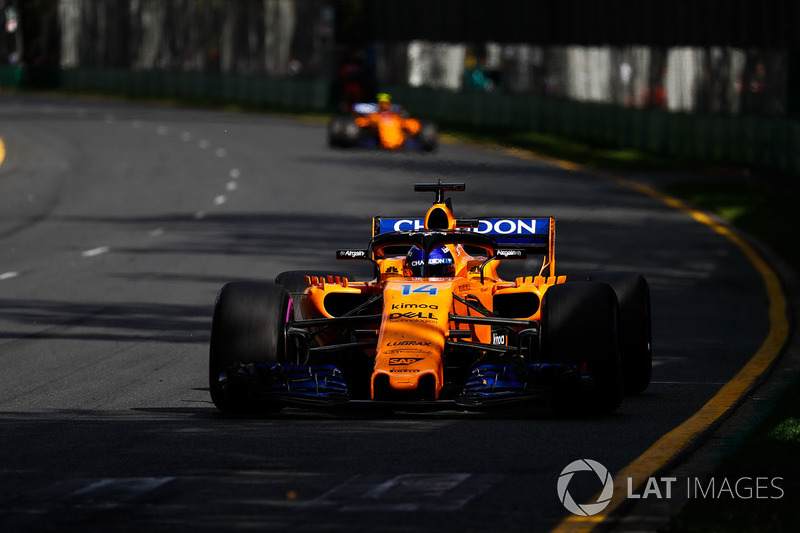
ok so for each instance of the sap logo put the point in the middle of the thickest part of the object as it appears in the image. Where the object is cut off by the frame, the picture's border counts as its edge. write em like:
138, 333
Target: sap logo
415, 306
403, 361
411, 314
409, 343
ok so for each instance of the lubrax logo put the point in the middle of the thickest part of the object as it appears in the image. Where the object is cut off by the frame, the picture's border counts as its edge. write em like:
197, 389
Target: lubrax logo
415, 306
403, 361
410, 314
408, 343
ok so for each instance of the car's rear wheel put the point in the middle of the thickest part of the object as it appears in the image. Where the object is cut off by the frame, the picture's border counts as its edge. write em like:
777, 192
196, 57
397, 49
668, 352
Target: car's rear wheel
428, 136
336, 131
635, 324
579, 328
248, 327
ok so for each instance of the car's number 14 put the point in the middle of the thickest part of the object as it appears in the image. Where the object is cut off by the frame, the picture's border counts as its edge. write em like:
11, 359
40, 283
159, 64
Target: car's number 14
422, 289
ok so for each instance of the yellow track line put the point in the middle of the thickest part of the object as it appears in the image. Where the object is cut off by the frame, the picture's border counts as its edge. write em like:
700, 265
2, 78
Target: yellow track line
2, 151
668, 447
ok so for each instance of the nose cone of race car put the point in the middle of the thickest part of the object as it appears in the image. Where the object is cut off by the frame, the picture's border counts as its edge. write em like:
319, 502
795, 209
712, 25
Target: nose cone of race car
408, 363
390, 131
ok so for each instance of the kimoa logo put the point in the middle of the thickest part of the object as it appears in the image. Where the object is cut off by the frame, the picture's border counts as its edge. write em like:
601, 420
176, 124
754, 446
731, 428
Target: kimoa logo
415, 306
587, 509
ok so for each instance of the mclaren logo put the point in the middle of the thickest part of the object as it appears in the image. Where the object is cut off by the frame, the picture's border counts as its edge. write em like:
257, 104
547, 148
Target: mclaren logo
403, 361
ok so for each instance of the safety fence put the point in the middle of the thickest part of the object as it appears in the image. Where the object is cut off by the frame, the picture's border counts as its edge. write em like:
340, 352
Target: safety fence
766, 142
192, 87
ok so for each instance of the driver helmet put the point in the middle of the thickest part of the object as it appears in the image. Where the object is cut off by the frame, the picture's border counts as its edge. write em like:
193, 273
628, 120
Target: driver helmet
384, 102
440, 262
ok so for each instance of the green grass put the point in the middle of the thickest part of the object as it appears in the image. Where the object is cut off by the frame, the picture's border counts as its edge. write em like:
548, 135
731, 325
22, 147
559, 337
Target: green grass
763, 207
560, 147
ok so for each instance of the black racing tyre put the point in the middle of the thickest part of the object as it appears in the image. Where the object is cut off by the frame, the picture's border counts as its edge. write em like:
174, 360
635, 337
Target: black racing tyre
295, 282
248, 327
634, 327
579, 327
428, 136
336, 129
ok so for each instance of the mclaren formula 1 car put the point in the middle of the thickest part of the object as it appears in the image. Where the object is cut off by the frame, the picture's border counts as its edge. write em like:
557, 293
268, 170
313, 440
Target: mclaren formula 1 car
381, 125
435, 324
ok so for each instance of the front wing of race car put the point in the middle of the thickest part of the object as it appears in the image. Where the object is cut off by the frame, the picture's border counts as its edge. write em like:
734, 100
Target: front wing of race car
478, 374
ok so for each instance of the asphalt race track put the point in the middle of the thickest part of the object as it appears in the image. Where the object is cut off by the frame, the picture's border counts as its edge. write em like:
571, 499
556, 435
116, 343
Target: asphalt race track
118, 225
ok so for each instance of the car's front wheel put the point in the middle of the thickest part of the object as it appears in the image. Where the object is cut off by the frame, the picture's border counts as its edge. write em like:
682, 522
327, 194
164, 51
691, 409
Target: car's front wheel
249, 326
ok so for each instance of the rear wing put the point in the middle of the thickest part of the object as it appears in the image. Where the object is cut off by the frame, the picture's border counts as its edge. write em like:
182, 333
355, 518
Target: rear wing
534, 235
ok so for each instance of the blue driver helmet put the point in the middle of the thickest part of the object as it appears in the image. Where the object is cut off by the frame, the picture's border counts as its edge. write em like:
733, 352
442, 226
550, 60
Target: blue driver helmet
440, 262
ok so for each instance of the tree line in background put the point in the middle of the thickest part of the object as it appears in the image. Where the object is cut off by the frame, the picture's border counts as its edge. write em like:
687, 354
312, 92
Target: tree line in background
614, 52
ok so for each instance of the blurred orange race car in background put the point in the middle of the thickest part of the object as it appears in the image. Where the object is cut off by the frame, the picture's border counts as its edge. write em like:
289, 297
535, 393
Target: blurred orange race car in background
381, 125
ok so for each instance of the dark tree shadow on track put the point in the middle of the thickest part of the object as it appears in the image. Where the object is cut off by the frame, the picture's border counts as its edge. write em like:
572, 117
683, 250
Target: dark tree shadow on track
118, 321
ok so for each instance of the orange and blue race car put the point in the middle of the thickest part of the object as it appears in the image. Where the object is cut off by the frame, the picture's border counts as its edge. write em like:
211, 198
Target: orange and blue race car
381, 125
435, 325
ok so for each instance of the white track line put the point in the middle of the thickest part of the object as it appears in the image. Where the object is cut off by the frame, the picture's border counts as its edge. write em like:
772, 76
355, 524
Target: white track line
234, 173
96, 251
8, 275
219, 200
